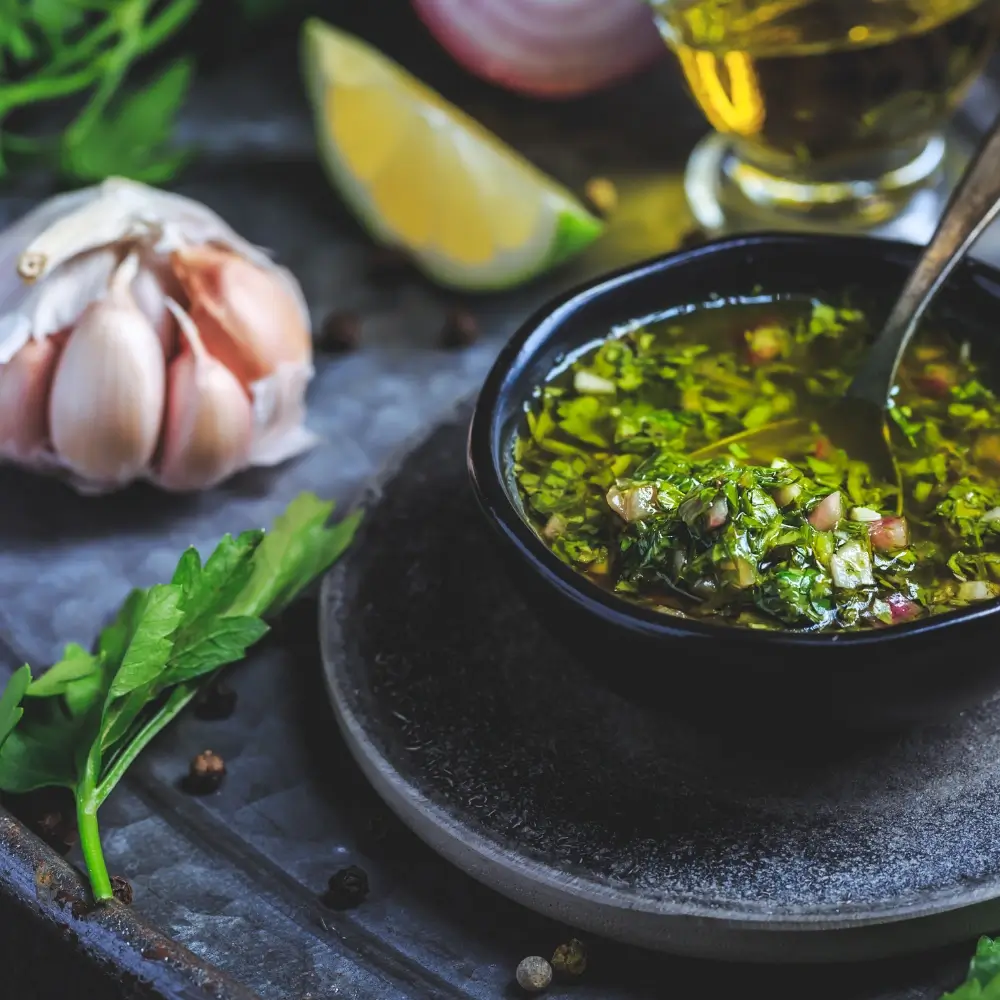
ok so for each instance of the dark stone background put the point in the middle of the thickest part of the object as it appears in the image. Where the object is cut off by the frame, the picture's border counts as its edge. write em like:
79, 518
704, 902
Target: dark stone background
236, 877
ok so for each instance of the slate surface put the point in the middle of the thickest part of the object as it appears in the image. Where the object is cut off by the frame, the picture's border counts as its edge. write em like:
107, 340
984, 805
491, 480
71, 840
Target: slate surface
236, 877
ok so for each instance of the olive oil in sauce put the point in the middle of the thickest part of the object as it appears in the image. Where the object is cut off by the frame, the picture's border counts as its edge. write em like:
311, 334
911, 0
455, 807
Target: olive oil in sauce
810, 542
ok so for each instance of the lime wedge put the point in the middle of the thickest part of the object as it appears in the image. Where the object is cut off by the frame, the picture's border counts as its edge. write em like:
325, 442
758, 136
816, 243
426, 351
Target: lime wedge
423, 176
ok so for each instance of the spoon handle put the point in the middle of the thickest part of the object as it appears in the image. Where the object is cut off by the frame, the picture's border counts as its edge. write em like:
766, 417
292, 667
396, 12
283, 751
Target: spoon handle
972, 207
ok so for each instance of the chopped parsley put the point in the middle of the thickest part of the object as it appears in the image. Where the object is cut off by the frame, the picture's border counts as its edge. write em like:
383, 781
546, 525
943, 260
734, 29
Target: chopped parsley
609, 475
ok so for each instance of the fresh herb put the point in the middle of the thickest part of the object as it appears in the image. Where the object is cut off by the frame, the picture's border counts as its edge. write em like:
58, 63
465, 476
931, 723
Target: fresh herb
10, 702
983, 980
88, 717
63, 49
603, 471
78, 55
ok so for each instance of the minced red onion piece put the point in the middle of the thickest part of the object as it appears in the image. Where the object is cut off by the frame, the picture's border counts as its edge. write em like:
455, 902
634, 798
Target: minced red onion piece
717, 514
786, 495
889, 534
764, 343
827, 513
937, 380
902, 608
546, 48
634, 503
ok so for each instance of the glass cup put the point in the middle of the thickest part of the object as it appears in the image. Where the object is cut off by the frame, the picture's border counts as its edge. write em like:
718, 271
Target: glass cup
828, 114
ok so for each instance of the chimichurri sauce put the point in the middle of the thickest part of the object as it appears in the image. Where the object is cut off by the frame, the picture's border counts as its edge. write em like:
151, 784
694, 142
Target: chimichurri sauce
607, 468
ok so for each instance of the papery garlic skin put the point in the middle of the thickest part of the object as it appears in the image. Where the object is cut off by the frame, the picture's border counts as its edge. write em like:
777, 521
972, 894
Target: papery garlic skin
246, 317
57, 303
209, 422
85, 268
279, 411
106, 403
25, 382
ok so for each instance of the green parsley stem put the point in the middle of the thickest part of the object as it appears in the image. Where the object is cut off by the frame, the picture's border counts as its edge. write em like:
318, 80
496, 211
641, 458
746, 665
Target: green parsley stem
166, 23
173, 706
46, 88
107, 70
90, 834
84, 51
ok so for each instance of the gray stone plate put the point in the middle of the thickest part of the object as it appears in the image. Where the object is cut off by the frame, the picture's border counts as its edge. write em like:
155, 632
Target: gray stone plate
508, 758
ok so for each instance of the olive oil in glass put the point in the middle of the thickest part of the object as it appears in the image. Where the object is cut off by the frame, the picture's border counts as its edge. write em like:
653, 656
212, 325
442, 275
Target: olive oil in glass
826, 112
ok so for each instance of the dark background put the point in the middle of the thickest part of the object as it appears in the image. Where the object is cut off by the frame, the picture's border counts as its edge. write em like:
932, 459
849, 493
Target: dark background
237, 878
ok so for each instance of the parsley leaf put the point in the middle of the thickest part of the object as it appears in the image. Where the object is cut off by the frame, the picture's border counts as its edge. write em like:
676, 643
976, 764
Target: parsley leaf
151, 643
297, 549
10, 702
38, 757
132, 140
985, 964
983, 981
83, 723
76, 665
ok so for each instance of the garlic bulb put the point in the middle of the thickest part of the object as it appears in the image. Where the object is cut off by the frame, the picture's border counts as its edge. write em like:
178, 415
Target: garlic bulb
209, 423
106, 405
141, 337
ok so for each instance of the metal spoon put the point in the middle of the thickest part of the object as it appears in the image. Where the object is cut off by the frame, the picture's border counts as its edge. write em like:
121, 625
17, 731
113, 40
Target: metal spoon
856, 422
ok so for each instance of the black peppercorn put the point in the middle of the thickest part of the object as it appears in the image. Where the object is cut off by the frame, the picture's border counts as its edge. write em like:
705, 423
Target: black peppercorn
461, 329
339, 332
206, 773
216, 702
346, 888
122, 889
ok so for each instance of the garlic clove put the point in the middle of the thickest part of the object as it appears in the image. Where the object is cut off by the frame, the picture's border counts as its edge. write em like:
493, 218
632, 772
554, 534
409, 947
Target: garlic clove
209, 421
25, 382
246, 315
153, 285
106, 404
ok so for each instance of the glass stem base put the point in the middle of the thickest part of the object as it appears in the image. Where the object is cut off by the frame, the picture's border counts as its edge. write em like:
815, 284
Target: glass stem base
729, 195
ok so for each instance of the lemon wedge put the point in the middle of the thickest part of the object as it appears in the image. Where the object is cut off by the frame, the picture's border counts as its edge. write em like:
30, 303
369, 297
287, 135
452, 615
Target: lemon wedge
422, 175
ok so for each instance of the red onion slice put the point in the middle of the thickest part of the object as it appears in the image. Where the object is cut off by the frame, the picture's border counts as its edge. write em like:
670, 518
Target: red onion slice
546, 48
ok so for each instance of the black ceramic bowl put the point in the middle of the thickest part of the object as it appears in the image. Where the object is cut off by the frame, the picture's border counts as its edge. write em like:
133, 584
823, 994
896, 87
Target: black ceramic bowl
882, 678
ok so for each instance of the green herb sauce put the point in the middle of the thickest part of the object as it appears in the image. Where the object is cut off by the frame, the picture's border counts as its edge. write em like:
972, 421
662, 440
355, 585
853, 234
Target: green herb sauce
609, 475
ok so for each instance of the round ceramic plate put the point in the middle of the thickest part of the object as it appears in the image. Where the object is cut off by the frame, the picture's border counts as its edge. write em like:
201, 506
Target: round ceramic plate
512, 761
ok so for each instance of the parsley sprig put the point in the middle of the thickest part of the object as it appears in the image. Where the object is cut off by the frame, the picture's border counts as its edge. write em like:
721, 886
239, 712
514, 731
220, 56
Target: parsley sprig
82, 723
59, 49
83, 52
